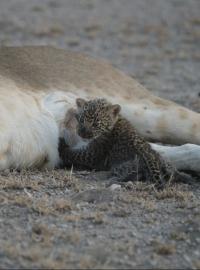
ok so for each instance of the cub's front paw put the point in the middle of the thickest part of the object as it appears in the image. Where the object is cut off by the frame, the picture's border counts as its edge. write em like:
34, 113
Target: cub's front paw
62, 148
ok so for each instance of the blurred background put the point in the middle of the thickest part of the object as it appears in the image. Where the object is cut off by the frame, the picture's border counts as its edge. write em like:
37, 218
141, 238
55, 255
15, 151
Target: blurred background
156, 41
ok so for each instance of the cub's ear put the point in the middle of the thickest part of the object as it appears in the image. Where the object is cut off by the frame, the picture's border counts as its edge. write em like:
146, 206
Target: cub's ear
115, 110
80, 102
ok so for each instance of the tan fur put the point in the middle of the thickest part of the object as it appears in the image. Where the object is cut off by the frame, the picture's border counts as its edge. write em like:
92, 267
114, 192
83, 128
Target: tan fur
42, 69
31, 76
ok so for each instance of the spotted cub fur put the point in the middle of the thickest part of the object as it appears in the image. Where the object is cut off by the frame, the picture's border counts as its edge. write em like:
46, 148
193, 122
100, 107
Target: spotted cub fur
115, 146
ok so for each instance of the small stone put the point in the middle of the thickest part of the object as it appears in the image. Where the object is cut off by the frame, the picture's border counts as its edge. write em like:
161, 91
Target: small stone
67, 190
114, 187
129, 185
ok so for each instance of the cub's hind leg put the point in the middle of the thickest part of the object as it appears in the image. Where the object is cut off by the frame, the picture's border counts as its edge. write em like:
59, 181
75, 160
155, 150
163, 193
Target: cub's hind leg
131, 170
136, 170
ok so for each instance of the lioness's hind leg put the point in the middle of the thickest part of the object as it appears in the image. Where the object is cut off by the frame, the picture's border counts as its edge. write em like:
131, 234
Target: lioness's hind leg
4, 161
183, 157
51, 161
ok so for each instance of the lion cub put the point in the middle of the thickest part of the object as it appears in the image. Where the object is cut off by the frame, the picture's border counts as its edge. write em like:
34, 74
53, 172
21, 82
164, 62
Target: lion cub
115, 146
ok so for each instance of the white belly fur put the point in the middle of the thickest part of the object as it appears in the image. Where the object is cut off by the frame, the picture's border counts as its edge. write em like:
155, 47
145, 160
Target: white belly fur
29, 128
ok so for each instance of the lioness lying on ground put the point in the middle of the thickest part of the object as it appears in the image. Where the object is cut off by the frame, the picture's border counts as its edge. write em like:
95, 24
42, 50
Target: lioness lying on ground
39, 85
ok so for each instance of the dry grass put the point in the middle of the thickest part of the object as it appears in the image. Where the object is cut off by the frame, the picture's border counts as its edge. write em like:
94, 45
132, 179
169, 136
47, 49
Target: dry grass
99, 218
31, 254
62, 205
96, 217
174, 192
178, 236
86, 262
83, 215
72, 218
164, 249
72, 236
42, 233
42, 206
127, 247
84, 212
143, 199
35, 180
18, 181
37, 256
121, 212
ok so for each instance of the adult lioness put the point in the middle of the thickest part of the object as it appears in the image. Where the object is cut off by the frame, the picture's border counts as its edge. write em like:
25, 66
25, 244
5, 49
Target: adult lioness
38, 85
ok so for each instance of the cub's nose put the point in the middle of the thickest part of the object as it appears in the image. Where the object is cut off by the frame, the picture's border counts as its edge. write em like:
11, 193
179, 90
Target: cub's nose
84, 133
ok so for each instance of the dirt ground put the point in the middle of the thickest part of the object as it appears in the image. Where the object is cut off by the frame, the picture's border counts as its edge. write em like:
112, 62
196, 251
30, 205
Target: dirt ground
65, 219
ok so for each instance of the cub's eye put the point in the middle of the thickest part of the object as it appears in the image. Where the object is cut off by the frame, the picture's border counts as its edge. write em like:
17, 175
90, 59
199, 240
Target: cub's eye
81, 119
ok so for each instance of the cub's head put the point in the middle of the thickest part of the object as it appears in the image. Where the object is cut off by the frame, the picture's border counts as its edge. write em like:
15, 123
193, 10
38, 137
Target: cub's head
96, 117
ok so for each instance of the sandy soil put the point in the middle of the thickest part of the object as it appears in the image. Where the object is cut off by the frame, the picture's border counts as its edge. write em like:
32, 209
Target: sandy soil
61, 219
